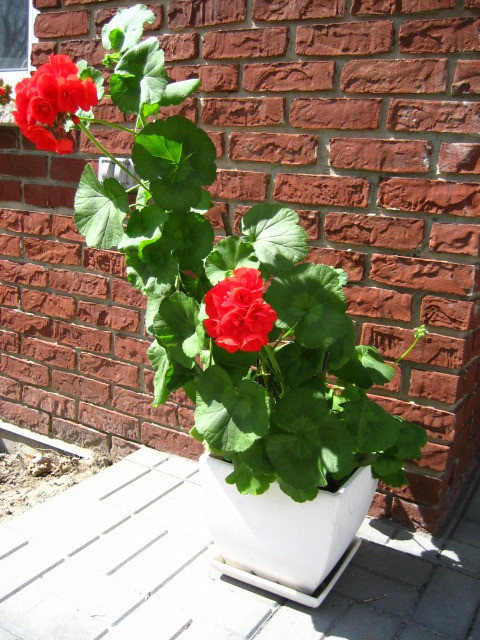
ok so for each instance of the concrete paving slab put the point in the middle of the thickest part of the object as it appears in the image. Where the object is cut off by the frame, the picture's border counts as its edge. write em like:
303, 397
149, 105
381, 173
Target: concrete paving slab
7, 635
457, 555
360, 623
148, 457
111, 479
143, 491
473, 510
205, 631
468, 532
416, 632
179, 467
11, 540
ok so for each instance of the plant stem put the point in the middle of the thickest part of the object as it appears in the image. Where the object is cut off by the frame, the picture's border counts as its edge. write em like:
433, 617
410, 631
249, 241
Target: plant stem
420, 332
285, 335
276, 367
109, 124
91, 137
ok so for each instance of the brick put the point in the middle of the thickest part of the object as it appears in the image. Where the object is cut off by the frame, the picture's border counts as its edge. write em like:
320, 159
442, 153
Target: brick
348, 38
49, 352
41, 51
25, 417
374, 230
67, 169
83, 284
459, 157
108, 421
131, 349
64, 227
109, 370
434, 385
124, 293
25, 323
49, 196
23, 273
48, 303
372, 302
81, 387
141, 405
276, 148
8, 138
119, 448
394, 76
433, 349
25, 371
459, 315
106, 316
10, 219
10, 190
52, 251
183, 14
397, 156
352, 262
472, 4
296, 9
430, 196
37, 223
82, 337
68, 2
242, 112
215, 77
10, 389
455, 238
424, 489
9, 296
338, 191
380, 7
60, 25
49, 402
24, 166
218, 139
187, 109
289, 76
179, 46
10, 246
467, 77
241, 185
418, 274
90, 50
9, 341
106, 261
433, 115
248, 43
79, 435
335, 113
440, 36
176, 442
115, 141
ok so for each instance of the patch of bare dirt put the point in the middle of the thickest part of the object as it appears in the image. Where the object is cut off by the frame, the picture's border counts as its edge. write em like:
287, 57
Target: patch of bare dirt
29, 476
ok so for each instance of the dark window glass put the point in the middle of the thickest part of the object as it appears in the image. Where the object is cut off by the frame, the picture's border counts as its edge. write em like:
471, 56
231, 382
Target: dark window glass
13, 35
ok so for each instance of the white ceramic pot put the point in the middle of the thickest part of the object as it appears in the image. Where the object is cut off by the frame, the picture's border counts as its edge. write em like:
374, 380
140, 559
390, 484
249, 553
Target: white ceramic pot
295, 544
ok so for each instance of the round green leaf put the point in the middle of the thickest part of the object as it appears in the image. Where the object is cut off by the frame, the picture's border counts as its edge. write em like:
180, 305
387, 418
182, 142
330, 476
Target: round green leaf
191, 237
229, 418
247, 482
365, 368
299, 495
156, 274
100, 209
177, 92
144, 227
229, 254
299, 364
125, 29
278, 239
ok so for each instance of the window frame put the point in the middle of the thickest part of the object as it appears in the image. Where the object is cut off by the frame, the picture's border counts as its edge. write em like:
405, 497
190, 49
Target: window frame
12, 77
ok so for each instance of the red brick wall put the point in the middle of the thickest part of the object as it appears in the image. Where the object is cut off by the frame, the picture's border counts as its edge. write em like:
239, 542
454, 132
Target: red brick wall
363, 117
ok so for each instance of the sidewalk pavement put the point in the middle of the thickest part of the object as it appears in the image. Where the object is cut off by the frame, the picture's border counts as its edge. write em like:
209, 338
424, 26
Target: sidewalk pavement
125, 555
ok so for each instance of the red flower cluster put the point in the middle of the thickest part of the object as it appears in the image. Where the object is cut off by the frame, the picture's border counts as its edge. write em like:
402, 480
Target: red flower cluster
238, 316
49, 97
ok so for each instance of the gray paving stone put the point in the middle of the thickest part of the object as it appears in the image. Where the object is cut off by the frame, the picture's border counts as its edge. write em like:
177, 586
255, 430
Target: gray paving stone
419, 545
378, 593
7, 635
473, 510
468, 532
210, 598
110, 479
294, 621
362, 623
147, 457
448, 592
143, 491
379, 531
474, 633
461, 556
25, 565
38, 616
10, 540
393, 564
416, 632
205, 631
179, 467
111, 550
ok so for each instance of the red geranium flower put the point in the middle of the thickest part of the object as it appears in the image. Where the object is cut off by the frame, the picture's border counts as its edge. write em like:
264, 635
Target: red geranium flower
238, 318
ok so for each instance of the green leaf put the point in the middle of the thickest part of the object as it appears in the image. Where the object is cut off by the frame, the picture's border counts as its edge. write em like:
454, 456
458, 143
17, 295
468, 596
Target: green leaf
100, 210
140, 77
230, 419
144, 227
389, 469
190, 235
375, 429
229, 254
169, 375
205, 203
299, 364
177, 158
178, 328
299, 495
247, 482
157, 274
410, 440
85, 71
311, 297
256, 459
241, 359
177, 92
125, 29
153, 303
197, 286
278, 239
366, 368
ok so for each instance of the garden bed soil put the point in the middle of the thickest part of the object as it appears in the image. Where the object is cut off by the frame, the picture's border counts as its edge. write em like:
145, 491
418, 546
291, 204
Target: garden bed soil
29, 476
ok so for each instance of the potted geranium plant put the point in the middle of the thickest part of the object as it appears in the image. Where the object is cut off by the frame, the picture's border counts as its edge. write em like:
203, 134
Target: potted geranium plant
259, 339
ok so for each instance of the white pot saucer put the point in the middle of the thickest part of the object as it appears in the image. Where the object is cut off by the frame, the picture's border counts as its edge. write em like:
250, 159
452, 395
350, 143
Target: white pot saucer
314, 600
